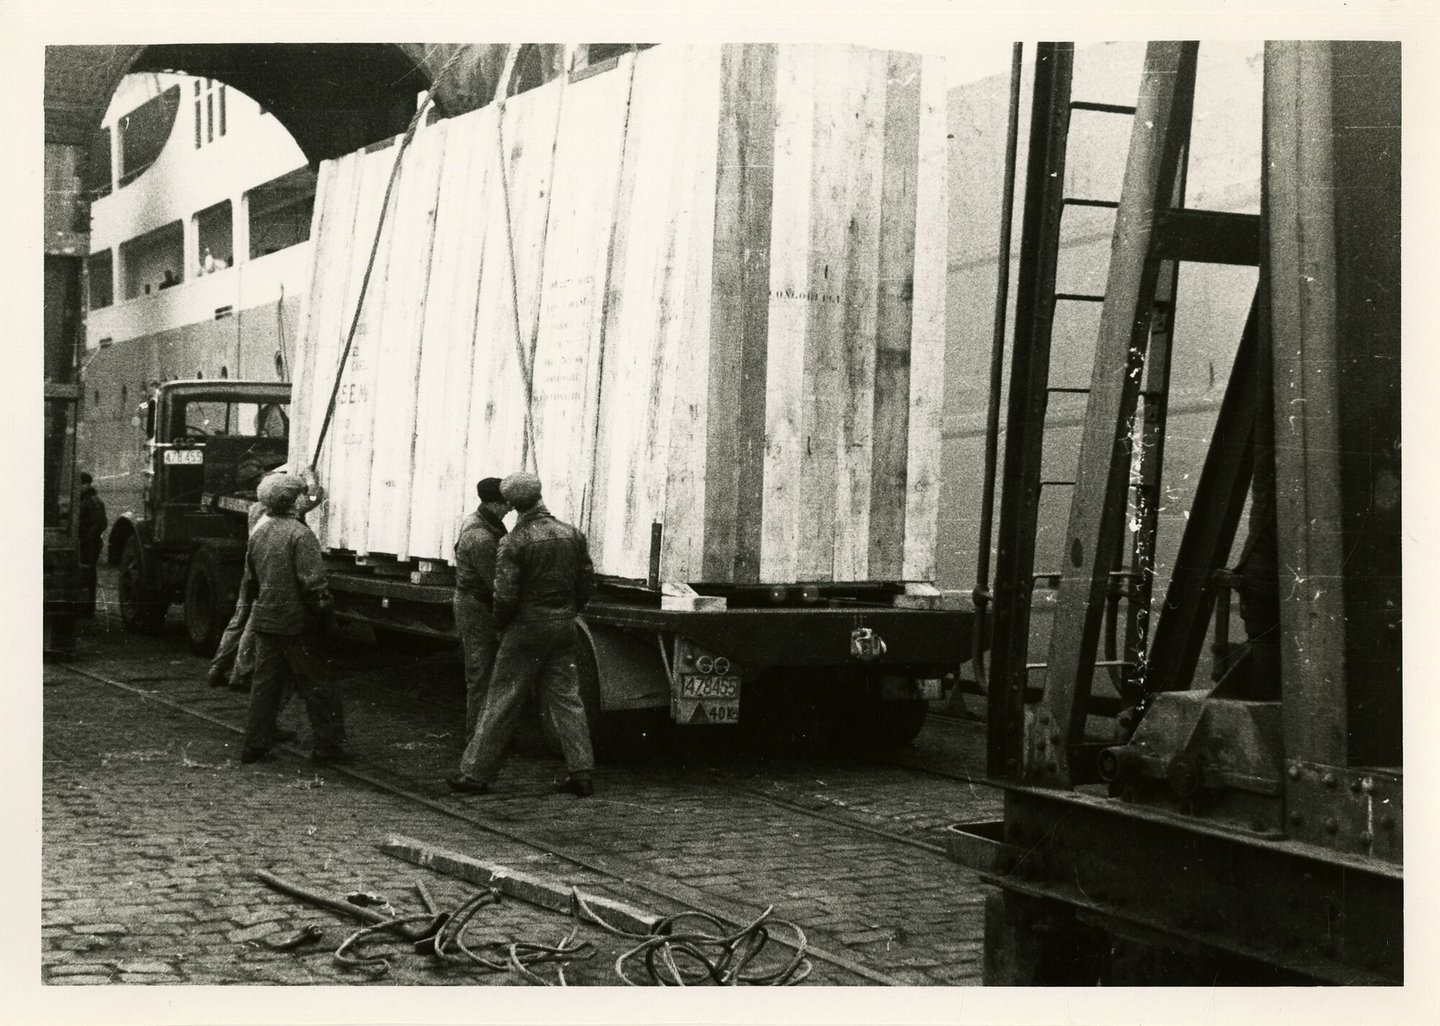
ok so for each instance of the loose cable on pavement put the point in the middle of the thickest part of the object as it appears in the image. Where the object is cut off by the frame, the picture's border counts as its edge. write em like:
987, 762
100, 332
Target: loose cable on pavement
714, 955
680, 950
435, 934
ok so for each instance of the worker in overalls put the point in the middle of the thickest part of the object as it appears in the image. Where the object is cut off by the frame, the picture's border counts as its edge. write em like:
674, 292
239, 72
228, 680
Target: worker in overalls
474, 598
289, 602
543, 577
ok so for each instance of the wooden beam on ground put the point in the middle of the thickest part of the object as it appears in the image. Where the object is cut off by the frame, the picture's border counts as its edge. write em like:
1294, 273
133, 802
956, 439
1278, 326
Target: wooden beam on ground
544, 891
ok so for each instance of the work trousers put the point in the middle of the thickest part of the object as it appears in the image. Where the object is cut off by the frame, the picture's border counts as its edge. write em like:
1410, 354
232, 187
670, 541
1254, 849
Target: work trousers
235, 655
90, 581
90, 574
228, 650
475, 623
291, 658
531, 654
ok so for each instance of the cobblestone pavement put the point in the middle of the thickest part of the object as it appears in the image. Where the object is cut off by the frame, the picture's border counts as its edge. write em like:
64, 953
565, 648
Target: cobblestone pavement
153, 830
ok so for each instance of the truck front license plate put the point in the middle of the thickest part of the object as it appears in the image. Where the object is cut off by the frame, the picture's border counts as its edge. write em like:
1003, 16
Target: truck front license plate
697, 686
190, 456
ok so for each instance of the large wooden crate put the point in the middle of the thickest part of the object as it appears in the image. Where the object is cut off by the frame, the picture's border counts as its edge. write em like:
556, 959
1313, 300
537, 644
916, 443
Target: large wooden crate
703, 290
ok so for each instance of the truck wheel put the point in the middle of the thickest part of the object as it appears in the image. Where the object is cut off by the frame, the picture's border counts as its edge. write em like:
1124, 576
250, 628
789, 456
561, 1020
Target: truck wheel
210, 592
142, 611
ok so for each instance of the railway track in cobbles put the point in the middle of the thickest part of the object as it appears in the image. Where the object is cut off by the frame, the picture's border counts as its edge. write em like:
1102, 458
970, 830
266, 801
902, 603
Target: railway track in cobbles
833, 846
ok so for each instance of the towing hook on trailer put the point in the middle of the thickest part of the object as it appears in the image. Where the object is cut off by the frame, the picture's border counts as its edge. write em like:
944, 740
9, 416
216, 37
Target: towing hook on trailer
866, 644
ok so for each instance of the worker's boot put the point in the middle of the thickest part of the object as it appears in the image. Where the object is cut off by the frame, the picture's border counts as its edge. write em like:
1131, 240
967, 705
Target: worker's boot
578, 784
462, 784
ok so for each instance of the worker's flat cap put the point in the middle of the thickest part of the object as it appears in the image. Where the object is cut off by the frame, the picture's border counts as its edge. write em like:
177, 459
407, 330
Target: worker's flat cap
488, 488
279, 491
521, 489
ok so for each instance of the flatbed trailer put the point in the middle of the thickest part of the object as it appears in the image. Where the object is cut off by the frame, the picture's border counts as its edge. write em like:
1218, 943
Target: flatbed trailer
838, 661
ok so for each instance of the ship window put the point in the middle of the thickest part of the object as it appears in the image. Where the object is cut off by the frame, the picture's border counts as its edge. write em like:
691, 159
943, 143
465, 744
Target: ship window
280, 212
99, 273
152, 261
124, 397
97, 397
594, 58
144, 132
209, 111
214, 234
95, 173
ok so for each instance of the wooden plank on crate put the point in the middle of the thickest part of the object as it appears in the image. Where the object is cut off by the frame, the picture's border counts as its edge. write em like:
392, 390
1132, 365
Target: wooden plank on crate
628, 367
683, 513
784, 374
821, 300
740, 312
347, 445
314, 310
569, 349
889, 469
861, 299
649, 294
394, 479
447, 349
927, 345
332, 226
497, 413
325, 335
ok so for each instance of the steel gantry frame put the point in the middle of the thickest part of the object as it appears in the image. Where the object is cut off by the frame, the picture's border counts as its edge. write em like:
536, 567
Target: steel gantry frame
1251, 831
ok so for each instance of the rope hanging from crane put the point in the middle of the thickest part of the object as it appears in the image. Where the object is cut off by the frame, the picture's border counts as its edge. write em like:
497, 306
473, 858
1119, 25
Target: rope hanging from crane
405, 140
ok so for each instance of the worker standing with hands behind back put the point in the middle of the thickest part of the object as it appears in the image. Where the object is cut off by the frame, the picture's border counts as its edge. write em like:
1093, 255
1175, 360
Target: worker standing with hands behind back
543, 577
475, 553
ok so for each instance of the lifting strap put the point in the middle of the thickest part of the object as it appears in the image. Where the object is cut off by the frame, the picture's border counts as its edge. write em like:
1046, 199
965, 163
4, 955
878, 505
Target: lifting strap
415, 123
526, 360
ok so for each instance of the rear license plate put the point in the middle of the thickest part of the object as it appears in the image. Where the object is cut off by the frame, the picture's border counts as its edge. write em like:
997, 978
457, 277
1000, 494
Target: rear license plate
185, 456
709, 687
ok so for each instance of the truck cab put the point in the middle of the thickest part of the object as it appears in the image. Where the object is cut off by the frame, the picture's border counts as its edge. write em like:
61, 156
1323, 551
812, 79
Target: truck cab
207, 444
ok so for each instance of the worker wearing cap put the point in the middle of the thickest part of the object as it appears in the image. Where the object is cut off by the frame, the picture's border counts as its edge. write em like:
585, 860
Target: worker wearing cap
285, 585
475, 551
543, 577
233, 665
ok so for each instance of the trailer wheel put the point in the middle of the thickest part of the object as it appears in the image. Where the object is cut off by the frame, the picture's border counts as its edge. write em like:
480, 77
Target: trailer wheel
142, 610
210, 592
896, 724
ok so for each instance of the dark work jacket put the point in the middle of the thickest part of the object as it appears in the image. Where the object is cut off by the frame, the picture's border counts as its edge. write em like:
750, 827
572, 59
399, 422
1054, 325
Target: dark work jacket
93, 521
542, 571
475, 552
284, 576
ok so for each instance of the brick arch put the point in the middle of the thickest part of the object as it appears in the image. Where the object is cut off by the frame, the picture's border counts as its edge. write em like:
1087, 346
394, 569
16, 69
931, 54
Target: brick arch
332, 98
